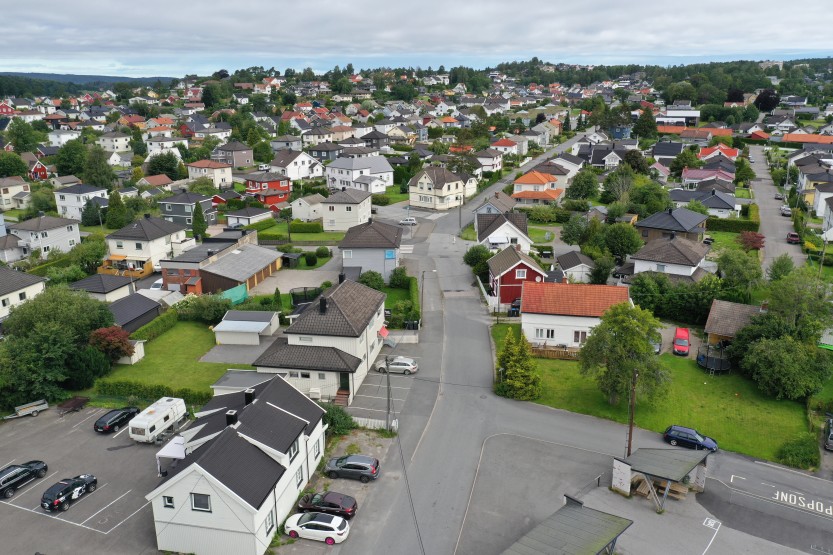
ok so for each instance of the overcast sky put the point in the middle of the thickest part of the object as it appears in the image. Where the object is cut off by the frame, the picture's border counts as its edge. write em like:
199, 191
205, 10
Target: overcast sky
172, 38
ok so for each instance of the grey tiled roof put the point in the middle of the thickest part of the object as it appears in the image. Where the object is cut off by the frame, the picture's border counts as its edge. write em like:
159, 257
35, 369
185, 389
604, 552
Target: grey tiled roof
348, 196
439, 177
12, 280
372, 235
350, 308
186, 198
131, 307
489, 223
81, 189
101, 283
243, 262
677, 250
308, 357
501, 201
147, 229
249, 315
508, 258
679, 219
572, 259
42, 223
727, 318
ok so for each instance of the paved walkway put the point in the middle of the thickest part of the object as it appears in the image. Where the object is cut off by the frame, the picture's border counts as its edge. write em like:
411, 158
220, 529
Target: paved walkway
238, 354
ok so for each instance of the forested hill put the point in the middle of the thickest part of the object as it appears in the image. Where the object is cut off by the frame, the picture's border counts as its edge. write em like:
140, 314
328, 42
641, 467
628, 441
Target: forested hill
86, 79
58, 85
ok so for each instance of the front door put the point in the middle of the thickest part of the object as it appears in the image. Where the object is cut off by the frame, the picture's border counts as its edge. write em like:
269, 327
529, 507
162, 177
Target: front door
344, 381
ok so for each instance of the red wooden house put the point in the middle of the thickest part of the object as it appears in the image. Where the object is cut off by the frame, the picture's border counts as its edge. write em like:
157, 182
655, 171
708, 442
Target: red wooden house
269, 188
508, 270
37, 170
6, 109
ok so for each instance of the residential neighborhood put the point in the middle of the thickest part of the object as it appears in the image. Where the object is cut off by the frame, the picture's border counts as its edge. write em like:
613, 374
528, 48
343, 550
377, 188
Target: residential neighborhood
264, 311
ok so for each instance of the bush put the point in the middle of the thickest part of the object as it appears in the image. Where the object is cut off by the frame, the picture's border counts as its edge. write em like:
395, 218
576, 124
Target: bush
733, 225
322, 252
380, 200
337, 419
399, 278
413, 295
261, 225
800, 452
576, 205
84, 367
372, 279
203, 308
113, 341
272, 234
157, 327
150, 392
297, 226
311, 259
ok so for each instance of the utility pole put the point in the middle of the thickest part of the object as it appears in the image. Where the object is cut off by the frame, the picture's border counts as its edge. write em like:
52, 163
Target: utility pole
821, 261
631, 410
387, 377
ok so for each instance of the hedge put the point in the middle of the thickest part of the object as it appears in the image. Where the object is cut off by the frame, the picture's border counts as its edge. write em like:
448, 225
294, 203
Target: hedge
262, 225
41, 270
380, 200
156, 327
271, 234
736, 225
149, 392
413, 291
297, 226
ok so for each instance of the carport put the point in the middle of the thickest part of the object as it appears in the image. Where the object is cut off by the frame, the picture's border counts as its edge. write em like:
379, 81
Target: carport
572, 530
673, 470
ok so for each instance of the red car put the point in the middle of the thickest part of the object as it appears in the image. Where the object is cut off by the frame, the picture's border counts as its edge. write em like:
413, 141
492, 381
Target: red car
793, 238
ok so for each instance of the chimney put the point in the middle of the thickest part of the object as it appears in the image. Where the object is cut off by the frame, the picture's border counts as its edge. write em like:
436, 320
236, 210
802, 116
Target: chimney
249, 396
211, 252
518, 248
231, 417
343, 189
714, 192
341, 277
147, 216
565, 280
497, 194
670, 210
370, 220
322, 305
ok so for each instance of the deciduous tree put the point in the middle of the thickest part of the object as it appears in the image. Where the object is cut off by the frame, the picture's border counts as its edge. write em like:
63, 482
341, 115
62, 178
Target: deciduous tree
621, 240
786, 368
22, 136
97, 171
166, 163
12, 165
71, 158
113, 341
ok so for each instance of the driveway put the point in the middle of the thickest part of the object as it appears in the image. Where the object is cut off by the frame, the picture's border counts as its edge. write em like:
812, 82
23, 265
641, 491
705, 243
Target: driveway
774, 226
287, 279
239, 354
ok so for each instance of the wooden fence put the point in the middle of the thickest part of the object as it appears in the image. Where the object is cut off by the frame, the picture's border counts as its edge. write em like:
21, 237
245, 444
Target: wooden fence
553, 352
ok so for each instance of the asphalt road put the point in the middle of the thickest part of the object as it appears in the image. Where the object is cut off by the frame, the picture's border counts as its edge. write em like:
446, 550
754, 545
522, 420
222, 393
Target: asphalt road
774, 226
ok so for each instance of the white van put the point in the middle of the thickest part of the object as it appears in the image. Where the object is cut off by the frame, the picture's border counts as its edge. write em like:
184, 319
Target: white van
163, 415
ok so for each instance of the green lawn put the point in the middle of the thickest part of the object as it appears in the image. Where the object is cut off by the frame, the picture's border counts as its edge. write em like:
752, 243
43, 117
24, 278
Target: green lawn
324, 236
538, 233
468, 233
13, 213
826, 272
395, 195
239, 187
740, 192
725, 407
394, 295
723, 240
96, 229
302, 263
173, 359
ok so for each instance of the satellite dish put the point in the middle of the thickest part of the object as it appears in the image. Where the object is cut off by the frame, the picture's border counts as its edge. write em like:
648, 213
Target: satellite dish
538, 279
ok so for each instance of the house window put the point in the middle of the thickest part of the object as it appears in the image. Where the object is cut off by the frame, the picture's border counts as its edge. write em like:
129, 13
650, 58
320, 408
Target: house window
72, 242
293, 451
138, 246
44, 235
62, 197
306, 338
305, 375
270, 521
5, 302
188, 221
167, 208
201, 502
168, 501
322, 376
299, 476
316, 449
660, 267
46, 248
579, 337
294, 374
332, 208
513, 240
520, 274
347, 254
348, 208
69, 228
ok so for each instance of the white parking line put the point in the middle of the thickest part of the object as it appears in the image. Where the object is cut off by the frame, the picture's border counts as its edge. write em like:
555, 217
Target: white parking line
383, 385
375, 410
107, 505
120, 432
128, 518
8, 463
28, 490
40, 512
90, 416
375, 397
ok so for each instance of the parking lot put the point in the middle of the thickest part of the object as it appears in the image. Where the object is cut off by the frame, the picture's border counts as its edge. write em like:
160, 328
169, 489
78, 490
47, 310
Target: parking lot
372, 397
113, 519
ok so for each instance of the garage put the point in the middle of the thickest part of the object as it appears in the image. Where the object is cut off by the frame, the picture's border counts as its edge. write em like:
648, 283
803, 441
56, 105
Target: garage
240, 327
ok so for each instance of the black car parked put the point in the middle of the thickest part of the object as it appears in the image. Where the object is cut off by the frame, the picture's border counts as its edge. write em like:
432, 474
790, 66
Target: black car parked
688, 437
61, 495
115, 420
330, 502
358, 467
15, 476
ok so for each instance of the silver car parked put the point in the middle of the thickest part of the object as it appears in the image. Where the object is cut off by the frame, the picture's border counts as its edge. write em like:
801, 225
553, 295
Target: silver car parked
398, 365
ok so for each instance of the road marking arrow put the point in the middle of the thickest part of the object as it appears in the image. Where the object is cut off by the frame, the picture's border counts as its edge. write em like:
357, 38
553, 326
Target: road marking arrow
732, 479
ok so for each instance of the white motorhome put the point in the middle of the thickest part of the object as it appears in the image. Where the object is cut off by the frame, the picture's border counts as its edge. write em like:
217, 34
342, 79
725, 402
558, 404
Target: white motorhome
163, 415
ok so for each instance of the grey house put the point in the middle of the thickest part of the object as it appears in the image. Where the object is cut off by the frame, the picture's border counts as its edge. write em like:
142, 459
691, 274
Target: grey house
134, 311
326, 151
371, 246
376, 139
286, 142
234, 153
180, 209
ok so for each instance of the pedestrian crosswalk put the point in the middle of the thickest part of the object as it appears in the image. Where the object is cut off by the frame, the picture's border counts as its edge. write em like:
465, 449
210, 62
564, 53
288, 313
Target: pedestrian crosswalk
435, 216
406, 249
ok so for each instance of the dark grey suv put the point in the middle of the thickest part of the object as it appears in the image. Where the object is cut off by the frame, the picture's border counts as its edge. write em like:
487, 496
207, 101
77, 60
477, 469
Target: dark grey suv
358, 467
13, 477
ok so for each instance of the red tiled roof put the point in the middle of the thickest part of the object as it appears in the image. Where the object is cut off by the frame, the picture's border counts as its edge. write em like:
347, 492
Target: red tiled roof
670, 129
504, 142
571, 299
536, 178
759, 135
211, 164
728, 151
546, 194
807, 138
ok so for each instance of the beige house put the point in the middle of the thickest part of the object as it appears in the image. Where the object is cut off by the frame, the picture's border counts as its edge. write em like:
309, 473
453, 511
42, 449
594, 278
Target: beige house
345, 209
437, 188
218, 172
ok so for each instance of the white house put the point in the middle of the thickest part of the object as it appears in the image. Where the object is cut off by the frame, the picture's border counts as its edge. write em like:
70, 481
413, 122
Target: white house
243, 463
371, 246
9, 188
60, 137
677, 257
296, 165
16, 288
347, 172
114, 142
565, 313
71, 200
718, 203
332, 344
248, 216
307, 208
218, 172
345, 209
146, 241
45, 234
436, 188
498, 231
105, 287
490, 159
159, 145
576, 266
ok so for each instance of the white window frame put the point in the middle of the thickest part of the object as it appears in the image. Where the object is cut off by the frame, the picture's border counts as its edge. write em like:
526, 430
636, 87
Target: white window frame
299, 476
293, 450
347, 253
168, 501
520, 273
207, 498
316, 449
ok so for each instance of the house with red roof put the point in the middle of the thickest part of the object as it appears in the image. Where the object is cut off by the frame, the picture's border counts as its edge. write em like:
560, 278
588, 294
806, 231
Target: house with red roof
269, 188
505, 146
536, 187
565, 313
717, 150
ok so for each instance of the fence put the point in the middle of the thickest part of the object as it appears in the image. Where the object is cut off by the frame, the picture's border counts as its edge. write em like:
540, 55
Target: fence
375, 423
555, 352
602, 480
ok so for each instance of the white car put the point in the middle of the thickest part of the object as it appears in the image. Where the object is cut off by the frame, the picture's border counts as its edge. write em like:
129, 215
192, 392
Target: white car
401, 365
330, 529
263, 167
157, 284
408, 221
786, 211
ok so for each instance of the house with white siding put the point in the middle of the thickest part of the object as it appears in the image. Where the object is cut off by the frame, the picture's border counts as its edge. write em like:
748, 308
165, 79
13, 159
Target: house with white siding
45, 234
348, 172
241, 466
72, 200
307, 208
565, 313
371, 246
11, 187
345, 209
332, 344
436, 188
114, 142
16, 288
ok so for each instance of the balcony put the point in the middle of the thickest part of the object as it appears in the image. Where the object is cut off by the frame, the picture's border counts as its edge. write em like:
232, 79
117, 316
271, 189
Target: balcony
120, 265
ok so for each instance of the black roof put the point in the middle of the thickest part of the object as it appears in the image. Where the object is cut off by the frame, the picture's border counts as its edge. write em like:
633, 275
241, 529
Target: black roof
131, 307
101, 283
249, 315
147, 229
372, 235
678, 219
12, 280
307, 357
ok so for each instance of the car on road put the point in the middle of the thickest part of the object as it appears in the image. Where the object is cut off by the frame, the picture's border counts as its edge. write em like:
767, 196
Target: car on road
828, 433
779, 196
358, 467
263, 167
115, 420
60, 496
786, 211
793, 238
157, 266
682, 341
688, 437
398, 365
330, 502
329, 529
408, 221
15, 476
157, 284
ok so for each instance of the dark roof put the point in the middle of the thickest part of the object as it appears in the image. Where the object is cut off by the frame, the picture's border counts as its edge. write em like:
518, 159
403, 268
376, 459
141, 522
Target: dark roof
12, 280
249, 315
186, 198
678, 219
81, 189
147, 229
350, 308
248, 212
572, 259
671, 464
308, 357
101, 283
372, 235
727, 318
42, 223
234, 146
439, 177
285, 157
572, 530
570, 158
501, 201
510, 257
667, 149
674, 250
265, 177
259, 421
131, 307
200, 252
243, 262
489, 223
348, 196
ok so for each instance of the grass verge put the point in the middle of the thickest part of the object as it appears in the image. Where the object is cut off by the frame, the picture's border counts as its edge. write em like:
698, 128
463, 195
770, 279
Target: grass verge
395, 196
